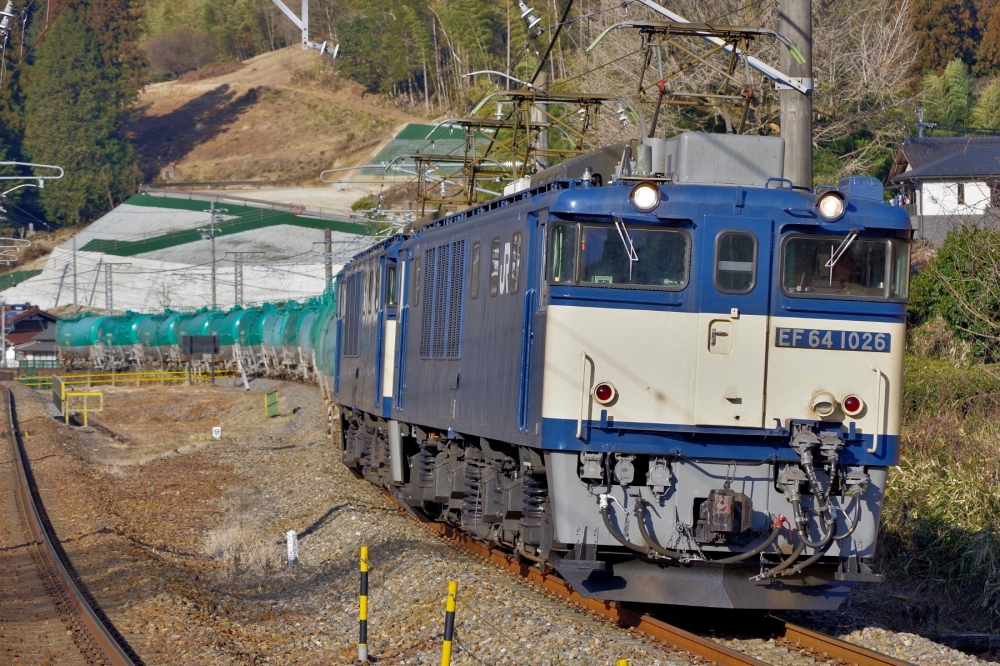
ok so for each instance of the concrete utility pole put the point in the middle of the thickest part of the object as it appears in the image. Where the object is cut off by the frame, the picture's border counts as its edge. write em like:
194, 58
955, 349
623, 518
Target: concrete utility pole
795, 22
109, 299
76, 306
3, 327
328, 257
238, 273
209, 233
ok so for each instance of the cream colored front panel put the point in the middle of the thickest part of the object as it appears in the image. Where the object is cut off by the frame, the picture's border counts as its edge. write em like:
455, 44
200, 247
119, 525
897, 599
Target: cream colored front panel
730, 374
388, 358
649, 357
795, 375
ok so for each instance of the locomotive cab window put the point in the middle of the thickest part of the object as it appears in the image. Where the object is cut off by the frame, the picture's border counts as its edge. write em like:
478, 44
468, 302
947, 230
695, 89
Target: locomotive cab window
416, 281
562, 253
474, 272
735, 262
850, 267
495, 267
621, 255
390, 286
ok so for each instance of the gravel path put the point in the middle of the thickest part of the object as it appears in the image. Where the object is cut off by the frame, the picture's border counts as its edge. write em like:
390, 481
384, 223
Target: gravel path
181, 540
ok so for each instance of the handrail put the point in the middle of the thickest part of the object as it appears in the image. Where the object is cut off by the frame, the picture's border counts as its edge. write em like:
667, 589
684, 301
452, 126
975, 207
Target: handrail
584, 393
878, 407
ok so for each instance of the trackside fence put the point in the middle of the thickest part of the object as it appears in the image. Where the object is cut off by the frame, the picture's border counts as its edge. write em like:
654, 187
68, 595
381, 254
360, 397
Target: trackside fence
89, 379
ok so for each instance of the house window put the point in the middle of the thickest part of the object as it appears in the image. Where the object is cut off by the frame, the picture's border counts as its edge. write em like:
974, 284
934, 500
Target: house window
995, 194
961, 193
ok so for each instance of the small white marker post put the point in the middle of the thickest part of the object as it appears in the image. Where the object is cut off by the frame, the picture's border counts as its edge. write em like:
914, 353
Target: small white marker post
216, 432
293, 547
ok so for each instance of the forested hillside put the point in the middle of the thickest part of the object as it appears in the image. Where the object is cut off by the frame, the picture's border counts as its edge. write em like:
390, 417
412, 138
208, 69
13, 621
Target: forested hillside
876, 62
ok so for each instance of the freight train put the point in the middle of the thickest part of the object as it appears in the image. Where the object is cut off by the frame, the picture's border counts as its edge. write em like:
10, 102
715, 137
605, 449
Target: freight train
676, 379
287, 339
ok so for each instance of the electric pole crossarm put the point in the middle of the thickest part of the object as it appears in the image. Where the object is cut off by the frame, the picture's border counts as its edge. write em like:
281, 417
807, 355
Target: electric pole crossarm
303, 25
804, 86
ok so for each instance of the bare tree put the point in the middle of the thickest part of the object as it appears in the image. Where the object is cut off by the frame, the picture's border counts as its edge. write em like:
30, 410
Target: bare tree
862, 53
179, 50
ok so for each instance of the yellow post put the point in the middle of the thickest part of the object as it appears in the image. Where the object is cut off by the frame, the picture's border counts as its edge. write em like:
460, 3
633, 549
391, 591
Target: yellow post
449, 623
363, 608
623, 662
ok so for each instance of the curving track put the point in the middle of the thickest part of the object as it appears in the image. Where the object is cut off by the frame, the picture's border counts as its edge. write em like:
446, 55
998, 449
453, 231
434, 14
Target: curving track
44, 617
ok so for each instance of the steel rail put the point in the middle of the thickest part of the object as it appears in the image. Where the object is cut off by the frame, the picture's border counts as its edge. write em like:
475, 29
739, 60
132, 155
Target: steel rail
789, 634
109, 650
611, 611
828, 646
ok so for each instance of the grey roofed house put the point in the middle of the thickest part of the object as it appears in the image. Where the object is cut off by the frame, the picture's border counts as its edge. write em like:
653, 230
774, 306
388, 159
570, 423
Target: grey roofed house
948, 181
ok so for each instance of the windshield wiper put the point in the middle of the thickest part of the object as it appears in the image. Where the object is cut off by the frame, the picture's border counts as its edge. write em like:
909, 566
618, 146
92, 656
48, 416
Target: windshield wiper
633, 256
840, 251
836, 255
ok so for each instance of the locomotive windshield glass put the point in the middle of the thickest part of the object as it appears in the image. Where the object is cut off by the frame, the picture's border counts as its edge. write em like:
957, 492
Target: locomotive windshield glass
845, 267
619, 255
562, 253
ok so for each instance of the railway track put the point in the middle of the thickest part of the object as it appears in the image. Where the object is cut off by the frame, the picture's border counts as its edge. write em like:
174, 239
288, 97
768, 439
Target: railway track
813, 644
44, 616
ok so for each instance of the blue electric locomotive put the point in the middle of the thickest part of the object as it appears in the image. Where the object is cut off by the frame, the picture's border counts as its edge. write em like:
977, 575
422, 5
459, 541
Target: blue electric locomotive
676, 380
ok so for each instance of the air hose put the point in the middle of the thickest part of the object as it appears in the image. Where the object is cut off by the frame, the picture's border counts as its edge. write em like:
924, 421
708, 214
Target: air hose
640, 515
764, 545
613, 531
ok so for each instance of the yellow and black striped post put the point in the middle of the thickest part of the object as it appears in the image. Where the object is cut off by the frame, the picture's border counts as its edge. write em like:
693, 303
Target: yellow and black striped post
363, 608
449, 623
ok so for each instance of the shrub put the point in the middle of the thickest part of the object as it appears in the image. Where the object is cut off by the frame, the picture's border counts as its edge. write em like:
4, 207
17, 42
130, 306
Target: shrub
940, 534
179, 50
962, 285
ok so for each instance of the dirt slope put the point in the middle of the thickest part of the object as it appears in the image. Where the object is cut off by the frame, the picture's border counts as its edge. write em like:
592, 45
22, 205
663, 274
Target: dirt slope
282, 117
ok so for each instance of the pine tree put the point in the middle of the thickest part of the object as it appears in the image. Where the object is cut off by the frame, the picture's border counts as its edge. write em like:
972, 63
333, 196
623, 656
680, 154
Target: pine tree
74, 118
988, 53
946, 29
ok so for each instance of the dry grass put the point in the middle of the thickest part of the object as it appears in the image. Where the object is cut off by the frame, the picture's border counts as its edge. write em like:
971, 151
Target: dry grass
211, 71
281, 117
940, 541
243, 551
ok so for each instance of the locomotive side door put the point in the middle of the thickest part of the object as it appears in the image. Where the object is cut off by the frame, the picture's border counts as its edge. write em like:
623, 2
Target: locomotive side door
733, 277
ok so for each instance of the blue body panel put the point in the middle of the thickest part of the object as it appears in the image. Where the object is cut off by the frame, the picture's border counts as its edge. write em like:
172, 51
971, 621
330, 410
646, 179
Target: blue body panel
703, 443
491, 386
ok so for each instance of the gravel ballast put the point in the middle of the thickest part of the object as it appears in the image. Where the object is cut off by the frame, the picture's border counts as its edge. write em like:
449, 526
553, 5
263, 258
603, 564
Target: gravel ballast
181, 539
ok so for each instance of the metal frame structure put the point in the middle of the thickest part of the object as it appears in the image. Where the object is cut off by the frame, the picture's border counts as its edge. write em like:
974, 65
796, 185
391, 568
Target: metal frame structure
734, 41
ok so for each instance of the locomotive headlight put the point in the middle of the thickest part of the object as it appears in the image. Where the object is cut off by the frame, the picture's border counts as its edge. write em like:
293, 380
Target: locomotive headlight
852, 405
823, 403
645, 197
605, 393
830, 205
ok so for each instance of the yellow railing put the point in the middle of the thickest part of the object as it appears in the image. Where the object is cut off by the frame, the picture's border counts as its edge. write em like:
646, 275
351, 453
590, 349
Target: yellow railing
126, 378
76, 402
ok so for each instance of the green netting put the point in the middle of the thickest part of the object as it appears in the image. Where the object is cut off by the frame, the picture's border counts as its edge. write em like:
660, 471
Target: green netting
241, 218
414, 139
17, 277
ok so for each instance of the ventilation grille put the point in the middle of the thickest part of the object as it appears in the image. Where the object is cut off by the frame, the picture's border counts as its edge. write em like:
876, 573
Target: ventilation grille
427, 316
455, 299
352, 323
444, 289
